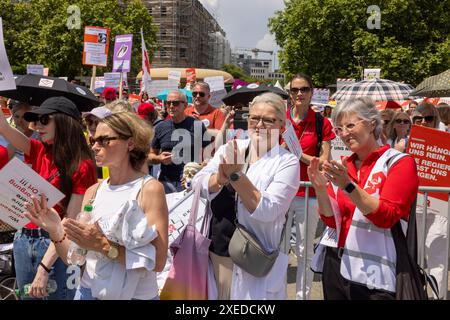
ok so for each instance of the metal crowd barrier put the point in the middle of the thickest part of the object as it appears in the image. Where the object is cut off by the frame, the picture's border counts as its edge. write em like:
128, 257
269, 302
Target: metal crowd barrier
421, 248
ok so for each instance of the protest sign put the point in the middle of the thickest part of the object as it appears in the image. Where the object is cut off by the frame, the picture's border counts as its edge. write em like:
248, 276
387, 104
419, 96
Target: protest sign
372, 74
35, 69
339, 150
174, 75
7, 81
99, 82
112, 79
96, 46
218, 92
156, 86
191, 75
431, 151
122, 53
291, 140
321, 96
18, 182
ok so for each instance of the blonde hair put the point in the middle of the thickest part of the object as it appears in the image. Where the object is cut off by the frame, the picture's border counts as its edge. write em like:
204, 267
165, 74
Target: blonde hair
274, 101
129, 125
119, 106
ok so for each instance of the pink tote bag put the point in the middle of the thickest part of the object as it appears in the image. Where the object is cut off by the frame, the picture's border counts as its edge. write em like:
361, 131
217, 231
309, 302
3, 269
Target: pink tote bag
188, 275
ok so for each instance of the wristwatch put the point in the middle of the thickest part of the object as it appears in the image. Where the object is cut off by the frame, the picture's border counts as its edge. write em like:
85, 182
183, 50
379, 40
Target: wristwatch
235, 176
349, 188
113, 251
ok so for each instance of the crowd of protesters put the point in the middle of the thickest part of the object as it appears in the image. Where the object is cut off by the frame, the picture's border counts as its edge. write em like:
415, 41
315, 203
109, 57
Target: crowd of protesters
123, 159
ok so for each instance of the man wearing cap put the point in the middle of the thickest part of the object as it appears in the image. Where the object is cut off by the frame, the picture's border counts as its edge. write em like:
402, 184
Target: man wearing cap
109, 95
147, 111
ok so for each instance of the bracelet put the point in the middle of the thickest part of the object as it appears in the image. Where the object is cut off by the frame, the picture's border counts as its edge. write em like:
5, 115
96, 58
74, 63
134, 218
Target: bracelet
44, 267
56, 242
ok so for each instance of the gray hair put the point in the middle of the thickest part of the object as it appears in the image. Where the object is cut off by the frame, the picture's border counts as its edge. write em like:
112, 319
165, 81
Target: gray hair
119, 106
180, 93
363, 107
273, 100
202, 84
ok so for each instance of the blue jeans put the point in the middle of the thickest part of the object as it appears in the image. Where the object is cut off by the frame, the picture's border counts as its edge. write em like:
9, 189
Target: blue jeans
171, 186
28, 252
86, 294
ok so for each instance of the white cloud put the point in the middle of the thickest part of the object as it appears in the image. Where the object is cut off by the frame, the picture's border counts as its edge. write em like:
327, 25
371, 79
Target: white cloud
267, 42
211, 4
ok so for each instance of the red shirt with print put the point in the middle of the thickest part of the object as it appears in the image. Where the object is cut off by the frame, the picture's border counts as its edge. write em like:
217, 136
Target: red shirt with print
41, 160
212, 118
396, 195
306, 134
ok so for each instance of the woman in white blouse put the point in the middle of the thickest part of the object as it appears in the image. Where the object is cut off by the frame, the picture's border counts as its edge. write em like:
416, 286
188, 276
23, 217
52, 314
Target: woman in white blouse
264, 190
128, 242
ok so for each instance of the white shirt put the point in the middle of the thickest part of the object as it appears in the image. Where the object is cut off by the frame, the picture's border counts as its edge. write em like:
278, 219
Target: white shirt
275, 175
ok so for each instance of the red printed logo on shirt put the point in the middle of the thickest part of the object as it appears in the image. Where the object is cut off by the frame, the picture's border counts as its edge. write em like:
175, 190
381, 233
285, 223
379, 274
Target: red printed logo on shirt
375, 183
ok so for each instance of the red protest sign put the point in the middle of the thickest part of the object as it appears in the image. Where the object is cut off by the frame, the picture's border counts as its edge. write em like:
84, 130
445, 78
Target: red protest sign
431, 151
191, 75
96, 46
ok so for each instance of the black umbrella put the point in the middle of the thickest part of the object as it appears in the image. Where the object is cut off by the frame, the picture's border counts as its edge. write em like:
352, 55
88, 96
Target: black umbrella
247, 93
35, 89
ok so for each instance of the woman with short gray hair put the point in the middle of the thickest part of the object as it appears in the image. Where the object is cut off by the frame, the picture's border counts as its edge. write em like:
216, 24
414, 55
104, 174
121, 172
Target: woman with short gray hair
362, 198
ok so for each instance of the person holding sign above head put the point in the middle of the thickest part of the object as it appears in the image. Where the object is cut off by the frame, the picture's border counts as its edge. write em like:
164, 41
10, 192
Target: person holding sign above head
63, 158
128, 242
314, 132
357, 255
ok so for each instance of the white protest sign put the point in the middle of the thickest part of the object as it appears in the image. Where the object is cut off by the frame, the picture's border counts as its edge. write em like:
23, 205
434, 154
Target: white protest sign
372, 74
291, 140
6, 76
98, 59
321, 96
338, 149
112, 79
35, 69
156, 86
216, 98
100, 82
18, 182
215, 83
174, 75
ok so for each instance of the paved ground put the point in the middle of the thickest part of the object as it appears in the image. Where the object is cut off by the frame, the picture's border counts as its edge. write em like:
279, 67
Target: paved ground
317, 293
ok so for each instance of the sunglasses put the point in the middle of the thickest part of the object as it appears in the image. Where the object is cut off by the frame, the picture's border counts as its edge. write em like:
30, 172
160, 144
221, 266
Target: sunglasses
43, 119
402, 121
175, 103
301, 89
103, 141
419, 119
201, 94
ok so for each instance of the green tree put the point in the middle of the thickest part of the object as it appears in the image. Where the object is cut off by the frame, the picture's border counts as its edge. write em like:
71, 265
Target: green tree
323, 38
36, 32
238, 73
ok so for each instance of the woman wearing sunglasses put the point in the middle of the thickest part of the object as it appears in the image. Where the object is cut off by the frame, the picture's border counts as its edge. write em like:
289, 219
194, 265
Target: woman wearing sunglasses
63, 158
128, 242
307, 126
426, 115
398, 131
357, 255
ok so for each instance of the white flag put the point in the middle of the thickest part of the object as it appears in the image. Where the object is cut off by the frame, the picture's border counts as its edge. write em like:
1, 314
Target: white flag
7, 81
146, 78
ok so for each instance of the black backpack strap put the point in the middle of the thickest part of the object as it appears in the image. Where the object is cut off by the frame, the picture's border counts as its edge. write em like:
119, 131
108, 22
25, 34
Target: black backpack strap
319, 132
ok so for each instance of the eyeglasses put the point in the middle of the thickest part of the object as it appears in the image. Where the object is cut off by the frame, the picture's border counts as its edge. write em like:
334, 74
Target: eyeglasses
419, 119
267, 122
348, 127
301, 89
175, 103
199, 93
402, 121
103, 141
44, 119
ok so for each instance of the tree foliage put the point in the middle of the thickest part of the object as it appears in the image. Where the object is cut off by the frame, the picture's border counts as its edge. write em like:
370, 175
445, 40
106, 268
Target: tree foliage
36, 32
323, 38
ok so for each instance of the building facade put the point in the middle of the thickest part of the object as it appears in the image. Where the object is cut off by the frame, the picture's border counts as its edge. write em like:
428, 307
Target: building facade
189, 36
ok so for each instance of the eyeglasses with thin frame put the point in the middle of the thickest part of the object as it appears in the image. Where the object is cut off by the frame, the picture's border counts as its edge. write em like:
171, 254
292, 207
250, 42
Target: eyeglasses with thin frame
267, 122
103, 141
198, 93
402, 121
175, 103
348, 127
301, 89
419, 119
43, 119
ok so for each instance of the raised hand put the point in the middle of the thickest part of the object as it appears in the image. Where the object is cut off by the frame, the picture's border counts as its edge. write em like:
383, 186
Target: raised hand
336, 172
46, 218
316, 177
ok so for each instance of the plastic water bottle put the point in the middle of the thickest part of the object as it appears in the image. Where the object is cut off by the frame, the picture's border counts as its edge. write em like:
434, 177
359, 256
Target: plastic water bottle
77, 255
51, 287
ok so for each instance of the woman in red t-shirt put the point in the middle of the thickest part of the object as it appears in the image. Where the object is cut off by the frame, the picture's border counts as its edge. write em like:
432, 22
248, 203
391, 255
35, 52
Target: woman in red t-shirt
63, 158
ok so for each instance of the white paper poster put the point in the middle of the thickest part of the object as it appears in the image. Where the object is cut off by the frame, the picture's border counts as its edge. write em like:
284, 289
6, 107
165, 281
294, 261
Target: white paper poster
174, 75
291, 140
216, 98
18, 182
156, 86
35, 69
321, 96
6, 76
100, 82
339, 150
372, 74
112, 79
215, 83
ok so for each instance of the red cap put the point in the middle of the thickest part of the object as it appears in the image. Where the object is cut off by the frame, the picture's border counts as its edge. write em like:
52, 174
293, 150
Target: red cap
109, 94
144, 109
